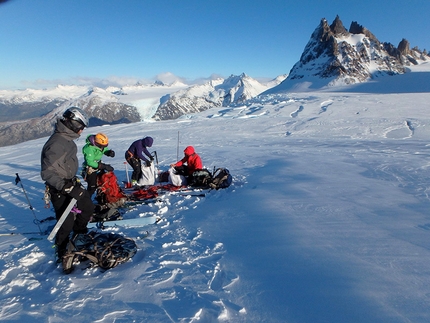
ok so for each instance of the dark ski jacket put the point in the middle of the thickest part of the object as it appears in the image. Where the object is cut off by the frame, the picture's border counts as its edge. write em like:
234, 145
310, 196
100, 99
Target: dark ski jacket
59, 161
138, 149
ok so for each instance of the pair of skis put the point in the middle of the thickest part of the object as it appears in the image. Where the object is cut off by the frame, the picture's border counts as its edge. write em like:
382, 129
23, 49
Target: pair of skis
100, 225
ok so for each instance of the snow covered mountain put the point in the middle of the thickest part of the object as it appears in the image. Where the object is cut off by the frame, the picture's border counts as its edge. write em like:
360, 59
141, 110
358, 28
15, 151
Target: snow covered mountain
43, 111
335, 56
216, 93
31, 113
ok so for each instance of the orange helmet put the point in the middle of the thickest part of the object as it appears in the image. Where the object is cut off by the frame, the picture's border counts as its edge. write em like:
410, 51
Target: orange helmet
101, 139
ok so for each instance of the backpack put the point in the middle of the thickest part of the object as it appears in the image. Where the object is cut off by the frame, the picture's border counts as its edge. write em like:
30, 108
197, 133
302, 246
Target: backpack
200, 178
108, 191
221, 179
106, 250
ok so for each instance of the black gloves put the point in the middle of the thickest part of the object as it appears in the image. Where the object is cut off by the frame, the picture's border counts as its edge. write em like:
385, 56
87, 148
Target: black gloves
109, 153
151, 158
74, 190
148, 163
106, 167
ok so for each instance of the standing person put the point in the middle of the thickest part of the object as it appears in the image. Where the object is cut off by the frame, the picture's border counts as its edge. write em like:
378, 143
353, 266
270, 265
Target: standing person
189, 164
95, 147
59, 165
137, 153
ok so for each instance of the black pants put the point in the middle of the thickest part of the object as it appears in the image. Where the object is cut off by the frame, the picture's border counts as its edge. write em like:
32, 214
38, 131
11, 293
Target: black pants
78, 223
136, 164
91, 180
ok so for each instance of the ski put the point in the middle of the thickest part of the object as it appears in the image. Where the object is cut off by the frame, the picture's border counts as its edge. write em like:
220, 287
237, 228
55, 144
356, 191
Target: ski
9, 234
137, 222
132, 203
191, 194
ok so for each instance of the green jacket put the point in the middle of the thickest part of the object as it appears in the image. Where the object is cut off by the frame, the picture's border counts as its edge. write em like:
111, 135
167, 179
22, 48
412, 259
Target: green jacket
92, 153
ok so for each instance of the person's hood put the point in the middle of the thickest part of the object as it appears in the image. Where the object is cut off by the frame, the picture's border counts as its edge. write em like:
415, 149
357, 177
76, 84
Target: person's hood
189, 151
147, 141
90, 140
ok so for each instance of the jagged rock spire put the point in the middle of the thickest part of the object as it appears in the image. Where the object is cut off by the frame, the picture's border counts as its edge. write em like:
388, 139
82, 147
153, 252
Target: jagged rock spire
356, 28
337, 27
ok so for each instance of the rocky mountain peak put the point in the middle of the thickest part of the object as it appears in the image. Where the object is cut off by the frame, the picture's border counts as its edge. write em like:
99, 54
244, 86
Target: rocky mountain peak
337, 27
403, 47
336, 56
356, 28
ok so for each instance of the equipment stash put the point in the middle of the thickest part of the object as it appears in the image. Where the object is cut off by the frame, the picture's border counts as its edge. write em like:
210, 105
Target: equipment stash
221, 178
106, 250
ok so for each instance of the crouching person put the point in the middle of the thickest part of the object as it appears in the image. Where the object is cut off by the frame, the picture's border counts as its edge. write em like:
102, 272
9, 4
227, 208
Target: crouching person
189, 163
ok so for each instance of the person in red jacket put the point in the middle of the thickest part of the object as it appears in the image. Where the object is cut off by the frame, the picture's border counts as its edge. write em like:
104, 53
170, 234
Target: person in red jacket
190, 163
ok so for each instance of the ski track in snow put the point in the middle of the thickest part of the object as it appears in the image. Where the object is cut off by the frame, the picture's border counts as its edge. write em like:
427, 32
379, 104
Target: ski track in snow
326, 221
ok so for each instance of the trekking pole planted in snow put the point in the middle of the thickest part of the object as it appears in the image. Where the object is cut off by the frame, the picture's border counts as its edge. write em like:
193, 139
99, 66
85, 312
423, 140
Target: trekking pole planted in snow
177, 148
36, 221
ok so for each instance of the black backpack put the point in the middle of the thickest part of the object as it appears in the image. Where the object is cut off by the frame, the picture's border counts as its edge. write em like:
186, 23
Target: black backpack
106, 250
221, 179
200, 178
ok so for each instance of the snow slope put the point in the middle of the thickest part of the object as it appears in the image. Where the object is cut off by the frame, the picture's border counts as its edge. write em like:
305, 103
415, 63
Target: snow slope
326, 221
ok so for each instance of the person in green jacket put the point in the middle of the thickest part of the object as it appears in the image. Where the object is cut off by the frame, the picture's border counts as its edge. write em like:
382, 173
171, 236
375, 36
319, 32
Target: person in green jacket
95, 147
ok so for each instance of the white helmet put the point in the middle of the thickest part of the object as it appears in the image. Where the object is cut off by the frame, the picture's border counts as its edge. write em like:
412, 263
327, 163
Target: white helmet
76, 114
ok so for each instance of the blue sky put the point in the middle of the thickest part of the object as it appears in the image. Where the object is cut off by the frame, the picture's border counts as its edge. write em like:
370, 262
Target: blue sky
47, 42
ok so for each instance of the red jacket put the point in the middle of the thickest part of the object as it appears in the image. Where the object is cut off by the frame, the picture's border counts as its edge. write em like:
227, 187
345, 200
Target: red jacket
193, 160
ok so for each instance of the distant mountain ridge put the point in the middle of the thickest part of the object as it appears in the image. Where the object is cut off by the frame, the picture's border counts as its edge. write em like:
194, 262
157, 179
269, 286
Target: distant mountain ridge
101, 111
216, 93
335, 56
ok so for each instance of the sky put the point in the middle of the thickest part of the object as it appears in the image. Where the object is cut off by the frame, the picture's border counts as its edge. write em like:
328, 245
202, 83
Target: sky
112, 42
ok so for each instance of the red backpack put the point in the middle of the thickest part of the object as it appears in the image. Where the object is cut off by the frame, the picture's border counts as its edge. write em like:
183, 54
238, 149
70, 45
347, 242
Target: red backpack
108, 189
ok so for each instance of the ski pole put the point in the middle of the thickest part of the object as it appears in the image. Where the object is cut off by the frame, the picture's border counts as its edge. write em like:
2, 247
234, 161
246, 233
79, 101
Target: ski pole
36, 221
126, 171
156, 156
62, 219
156, 172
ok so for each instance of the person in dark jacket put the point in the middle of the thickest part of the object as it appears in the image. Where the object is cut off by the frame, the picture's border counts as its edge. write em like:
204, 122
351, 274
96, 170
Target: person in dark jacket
59, 166
137, 153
